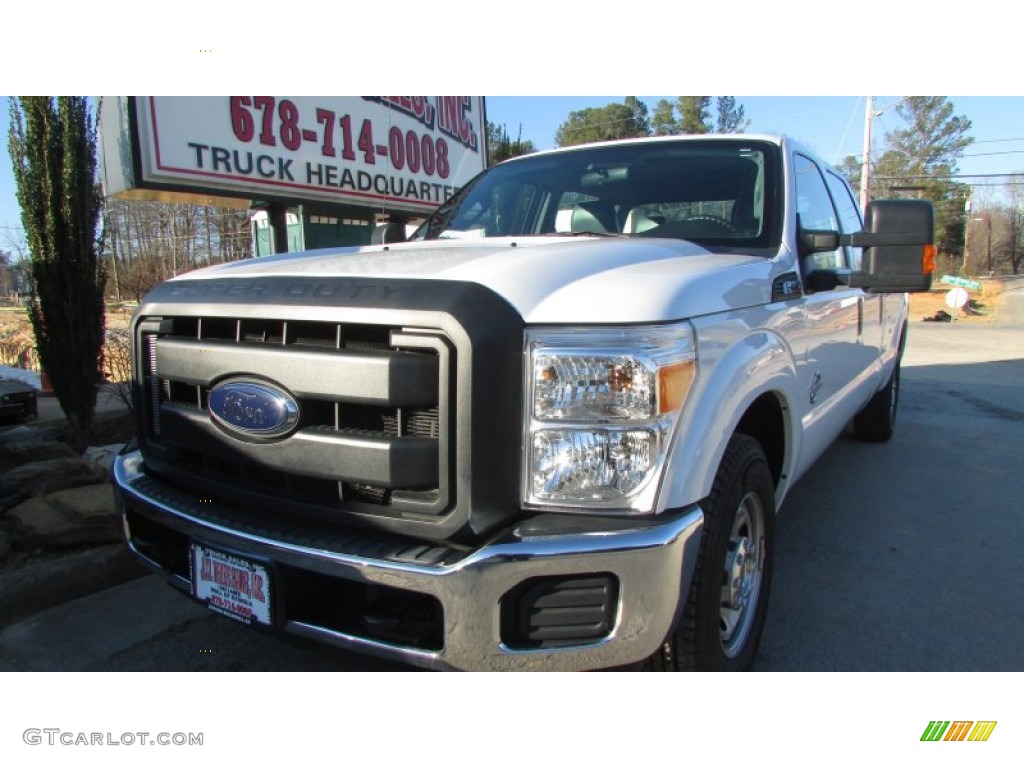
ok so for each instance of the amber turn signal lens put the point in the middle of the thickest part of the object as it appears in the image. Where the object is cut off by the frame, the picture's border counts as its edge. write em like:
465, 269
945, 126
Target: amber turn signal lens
928, 265
673, 385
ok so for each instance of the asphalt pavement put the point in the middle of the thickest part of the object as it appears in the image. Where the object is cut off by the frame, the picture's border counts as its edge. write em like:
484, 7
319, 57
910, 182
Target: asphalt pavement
107, 401
905, 556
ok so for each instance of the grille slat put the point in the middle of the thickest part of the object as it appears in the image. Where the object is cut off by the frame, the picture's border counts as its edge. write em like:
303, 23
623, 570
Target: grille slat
354, 456
358, 376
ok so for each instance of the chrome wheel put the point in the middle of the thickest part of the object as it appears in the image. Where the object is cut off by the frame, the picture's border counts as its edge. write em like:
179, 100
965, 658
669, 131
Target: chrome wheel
742, 574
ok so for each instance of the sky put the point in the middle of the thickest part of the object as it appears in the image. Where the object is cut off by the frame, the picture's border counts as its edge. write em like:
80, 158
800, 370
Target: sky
831, 126
543, 50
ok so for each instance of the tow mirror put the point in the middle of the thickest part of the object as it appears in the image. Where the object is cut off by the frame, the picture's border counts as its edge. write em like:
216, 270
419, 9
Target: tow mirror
898, 242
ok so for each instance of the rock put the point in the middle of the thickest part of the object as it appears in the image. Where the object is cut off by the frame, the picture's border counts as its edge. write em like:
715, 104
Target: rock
67, 518
22, 445
87, 502
103, 455
5, 544
23, 433
39, 477
39, 523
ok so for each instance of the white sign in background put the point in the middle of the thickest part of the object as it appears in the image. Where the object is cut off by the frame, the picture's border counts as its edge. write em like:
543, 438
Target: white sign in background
406, 153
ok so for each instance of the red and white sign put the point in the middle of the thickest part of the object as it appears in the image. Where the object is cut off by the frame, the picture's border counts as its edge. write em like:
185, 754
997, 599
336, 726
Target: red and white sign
407, 153
231, 585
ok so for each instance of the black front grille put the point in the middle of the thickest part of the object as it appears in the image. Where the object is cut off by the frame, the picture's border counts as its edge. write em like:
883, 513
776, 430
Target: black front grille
374, 433
410, 394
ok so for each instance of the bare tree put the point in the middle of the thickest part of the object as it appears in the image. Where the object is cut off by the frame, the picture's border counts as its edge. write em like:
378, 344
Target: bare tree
152, 242
1015, 222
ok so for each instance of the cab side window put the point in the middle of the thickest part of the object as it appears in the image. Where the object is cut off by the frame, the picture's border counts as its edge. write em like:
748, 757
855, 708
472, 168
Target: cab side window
814, 207
849, 213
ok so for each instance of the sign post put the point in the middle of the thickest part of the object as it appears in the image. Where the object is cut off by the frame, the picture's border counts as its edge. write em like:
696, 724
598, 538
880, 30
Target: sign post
955, 299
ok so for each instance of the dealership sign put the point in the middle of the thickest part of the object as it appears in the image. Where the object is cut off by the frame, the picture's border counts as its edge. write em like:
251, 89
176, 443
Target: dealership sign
403, 153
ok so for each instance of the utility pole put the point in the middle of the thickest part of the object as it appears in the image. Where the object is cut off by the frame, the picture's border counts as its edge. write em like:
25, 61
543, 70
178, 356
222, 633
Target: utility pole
988, 227
1015, 222
967, 233
865, 166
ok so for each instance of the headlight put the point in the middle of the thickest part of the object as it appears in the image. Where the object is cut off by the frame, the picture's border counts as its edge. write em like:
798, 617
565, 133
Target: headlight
601, 406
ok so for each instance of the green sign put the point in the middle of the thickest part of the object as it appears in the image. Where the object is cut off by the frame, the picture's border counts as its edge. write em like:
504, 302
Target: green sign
963, 282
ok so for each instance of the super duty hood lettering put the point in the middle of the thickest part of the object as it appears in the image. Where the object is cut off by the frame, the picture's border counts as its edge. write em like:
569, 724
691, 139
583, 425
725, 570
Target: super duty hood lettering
269, 290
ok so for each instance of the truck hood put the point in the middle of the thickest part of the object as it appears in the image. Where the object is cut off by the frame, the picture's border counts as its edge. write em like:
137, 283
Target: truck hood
549, 279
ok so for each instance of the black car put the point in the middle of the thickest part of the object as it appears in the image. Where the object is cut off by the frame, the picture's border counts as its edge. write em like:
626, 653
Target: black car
17, 401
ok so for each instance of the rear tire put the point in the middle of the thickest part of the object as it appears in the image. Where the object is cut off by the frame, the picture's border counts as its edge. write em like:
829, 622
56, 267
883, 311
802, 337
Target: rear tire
722, 622
877, 420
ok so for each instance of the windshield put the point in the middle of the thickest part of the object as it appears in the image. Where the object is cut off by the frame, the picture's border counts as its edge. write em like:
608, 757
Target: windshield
715, 192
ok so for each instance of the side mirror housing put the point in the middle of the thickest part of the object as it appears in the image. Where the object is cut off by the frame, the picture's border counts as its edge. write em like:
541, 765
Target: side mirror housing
817, 241
898, 242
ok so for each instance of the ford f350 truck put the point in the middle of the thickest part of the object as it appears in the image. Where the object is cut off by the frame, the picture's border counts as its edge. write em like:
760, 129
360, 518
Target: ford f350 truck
551, 430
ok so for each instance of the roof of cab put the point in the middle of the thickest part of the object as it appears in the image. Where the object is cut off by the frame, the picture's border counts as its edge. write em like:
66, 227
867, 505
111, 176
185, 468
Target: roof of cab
779, 140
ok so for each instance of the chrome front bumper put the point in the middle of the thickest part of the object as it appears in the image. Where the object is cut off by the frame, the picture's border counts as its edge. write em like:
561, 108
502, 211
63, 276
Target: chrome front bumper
652, 562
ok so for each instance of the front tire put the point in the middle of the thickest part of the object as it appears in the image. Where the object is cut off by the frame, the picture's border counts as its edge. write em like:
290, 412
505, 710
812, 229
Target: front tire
877, 420
723, 620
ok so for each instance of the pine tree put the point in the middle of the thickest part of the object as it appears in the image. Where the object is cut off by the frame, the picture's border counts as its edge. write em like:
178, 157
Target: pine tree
925, 154
731, 117
608, 123
52, 143
663, 120
500, 147
694, 114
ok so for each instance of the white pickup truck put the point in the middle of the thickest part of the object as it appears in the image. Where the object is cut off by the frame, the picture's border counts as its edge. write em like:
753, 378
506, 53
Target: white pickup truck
550, 431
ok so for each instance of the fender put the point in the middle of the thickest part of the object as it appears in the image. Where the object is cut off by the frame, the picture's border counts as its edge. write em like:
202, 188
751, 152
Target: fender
892, 348
736, 365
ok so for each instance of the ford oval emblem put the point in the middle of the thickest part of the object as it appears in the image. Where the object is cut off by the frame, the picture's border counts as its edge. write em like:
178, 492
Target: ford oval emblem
253, 408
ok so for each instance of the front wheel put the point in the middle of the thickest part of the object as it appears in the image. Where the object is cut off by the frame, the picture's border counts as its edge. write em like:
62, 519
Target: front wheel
723, 619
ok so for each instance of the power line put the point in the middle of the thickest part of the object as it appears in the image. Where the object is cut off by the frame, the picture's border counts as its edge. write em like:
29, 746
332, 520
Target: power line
875, 153
835, 157
993, 154
997, 184
951, 176
995, 141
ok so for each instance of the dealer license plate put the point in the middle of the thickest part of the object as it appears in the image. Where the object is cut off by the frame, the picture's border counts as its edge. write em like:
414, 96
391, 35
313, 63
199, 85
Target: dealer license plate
231, 585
